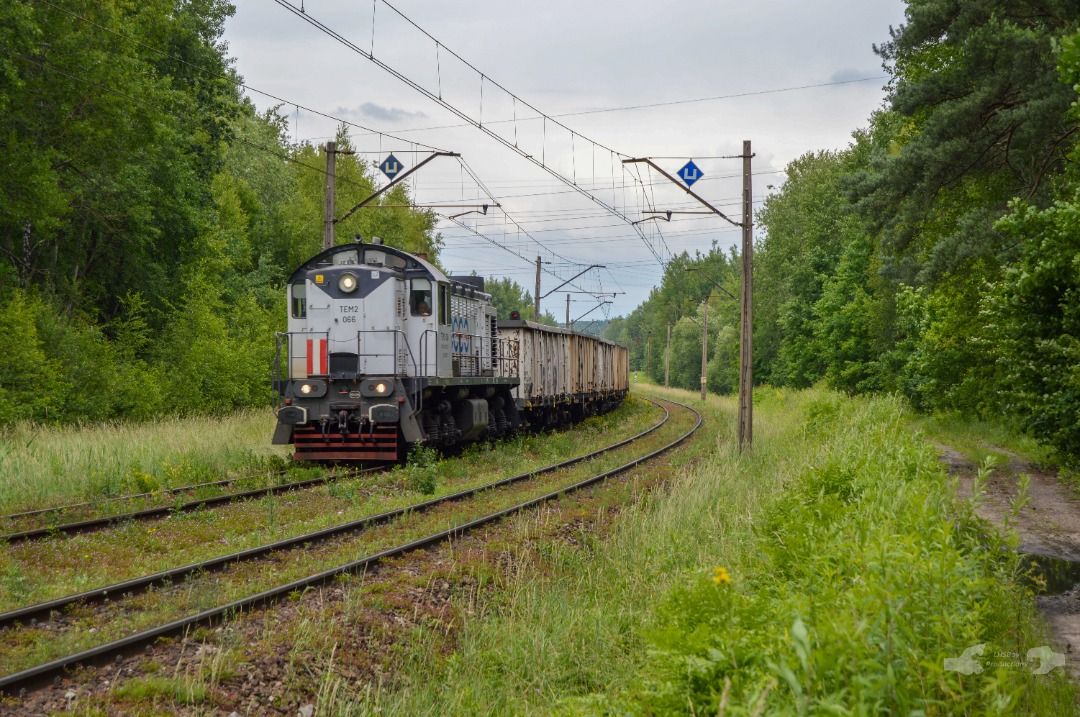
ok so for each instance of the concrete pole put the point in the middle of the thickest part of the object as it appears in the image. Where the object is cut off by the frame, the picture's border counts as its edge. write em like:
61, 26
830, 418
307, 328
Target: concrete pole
328, 216
667, 357
704, 346
746, 331
648, 356
536, 303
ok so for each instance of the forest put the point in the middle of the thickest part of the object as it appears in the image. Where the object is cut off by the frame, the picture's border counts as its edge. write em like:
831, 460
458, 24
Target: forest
149, 214
936, 257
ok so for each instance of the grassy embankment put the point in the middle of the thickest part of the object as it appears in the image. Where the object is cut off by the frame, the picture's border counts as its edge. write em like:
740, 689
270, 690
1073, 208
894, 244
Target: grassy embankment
42, 466
830, 572
50, 568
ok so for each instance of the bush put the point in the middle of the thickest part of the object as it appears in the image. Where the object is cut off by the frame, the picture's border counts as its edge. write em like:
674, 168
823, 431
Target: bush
29, 387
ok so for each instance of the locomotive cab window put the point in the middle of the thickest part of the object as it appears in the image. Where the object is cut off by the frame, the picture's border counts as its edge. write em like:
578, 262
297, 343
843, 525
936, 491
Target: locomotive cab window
444, 304
420, 297
298, 292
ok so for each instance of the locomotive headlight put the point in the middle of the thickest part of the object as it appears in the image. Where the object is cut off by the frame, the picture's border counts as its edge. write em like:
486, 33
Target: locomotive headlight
309, 388
376, 388
347, 283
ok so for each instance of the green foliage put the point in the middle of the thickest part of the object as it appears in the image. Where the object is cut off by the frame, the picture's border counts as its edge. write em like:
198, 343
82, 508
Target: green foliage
423, 469
866, 577
28, 384
980, 117
678, 302
147, 218
161, 691
507, 295
1038, 304
805, 225
935, 256
851, 320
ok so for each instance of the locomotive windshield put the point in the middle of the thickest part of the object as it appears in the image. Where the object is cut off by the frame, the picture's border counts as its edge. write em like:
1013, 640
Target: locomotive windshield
375, 257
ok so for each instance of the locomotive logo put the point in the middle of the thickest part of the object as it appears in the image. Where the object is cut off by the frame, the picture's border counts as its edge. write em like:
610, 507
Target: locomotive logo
462, 340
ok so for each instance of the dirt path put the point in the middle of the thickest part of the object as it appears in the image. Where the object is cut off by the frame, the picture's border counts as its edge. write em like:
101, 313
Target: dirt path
1049, 525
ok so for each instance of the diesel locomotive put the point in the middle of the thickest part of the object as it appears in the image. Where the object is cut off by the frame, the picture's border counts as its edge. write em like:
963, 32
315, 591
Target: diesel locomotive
384, 351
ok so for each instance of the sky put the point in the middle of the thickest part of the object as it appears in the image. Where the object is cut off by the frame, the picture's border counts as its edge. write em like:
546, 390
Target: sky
564, 92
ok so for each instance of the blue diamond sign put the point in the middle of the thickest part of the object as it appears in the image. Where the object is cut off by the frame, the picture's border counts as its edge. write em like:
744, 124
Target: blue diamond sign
690, 173
390, 166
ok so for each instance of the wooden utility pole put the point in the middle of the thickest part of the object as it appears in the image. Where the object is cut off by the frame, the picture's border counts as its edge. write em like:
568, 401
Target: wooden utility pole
746, 332
536, 303
704, 346
648, 356
568, 311
328, 216
667, 356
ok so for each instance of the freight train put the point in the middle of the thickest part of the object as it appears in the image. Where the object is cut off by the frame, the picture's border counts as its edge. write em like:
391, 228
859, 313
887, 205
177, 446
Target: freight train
384, 352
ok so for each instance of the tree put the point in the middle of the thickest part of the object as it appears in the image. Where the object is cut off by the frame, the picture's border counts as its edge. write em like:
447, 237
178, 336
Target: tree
977, 116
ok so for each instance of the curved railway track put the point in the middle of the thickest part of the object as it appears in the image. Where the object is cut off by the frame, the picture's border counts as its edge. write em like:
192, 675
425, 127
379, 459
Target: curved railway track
47, 610
34, 677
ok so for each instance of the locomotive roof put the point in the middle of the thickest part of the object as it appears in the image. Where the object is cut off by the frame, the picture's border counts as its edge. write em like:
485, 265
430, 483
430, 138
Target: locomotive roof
325, 258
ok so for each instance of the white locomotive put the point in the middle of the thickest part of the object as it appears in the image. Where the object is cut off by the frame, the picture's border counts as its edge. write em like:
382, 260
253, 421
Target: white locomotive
384, 351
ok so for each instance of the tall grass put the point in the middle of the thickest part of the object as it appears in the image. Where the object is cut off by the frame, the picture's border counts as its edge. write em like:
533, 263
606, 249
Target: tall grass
976, 440
48, 465
850, 573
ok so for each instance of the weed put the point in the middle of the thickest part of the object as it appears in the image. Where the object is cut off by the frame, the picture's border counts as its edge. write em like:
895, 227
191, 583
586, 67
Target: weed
422, 469
344, 490
15, 582
295, 474
152, 689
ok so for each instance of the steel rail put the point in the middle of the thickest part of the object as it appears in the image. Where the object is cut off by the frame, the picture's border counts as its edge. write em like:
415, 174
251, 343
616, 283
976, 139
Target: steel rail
20, 682
46, 610
130, 497
85, 526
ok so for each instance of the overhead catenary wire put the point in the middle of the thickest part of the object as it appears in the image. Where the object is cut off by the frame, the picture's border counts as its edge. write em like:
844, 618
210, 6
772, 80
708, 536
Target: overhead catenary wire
272, 151
541, 163
669, 103
579, 180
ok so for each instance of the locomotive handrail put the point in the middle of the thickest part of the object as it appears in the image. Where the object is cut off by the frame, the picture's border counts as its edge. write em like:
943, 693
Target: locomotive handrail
417, 393
287, 337
396, 333
502, 352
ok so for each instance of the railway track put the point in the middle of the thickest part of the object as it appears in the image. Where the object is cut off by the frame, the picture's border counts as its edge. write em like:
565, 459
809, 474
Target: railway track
86, 526
41, 674
47, 610
129, 498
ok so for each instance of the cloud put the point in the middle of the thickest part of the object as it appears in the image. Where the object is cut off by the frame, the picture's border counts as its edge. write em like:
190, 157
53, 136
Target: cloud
381, 113
850, 73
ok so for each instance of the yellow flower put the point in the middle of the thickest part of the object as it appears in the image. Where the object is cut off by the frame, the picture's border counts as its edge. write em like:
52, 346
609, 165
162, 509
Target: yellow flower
721, 576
